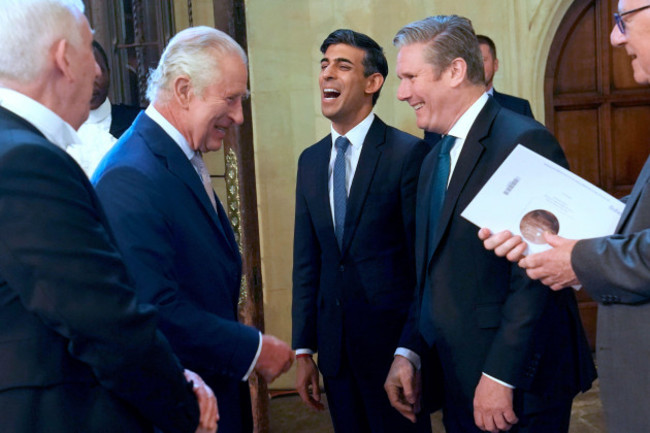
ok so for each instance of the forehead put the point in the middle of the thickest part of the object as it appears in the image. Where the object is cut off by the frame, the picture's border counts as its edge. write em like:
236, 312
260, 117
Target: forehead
485, 50
344, 52
233, 75
411, 55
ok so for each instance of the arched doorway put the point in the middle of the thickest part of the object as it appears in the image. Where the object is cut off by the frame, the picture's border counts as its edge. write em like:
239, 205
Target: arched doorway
595, 109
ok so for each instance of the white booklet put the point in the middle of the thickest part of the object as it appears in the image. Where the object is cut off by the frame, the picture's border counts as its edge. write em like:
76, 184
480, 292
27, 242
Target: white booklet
529, 195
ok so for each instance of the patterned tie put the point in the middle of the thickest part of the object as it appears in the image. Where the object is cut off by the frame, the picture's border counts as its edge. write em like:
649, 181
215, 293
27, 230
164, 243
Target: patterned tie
340, 189
202, 170
436, 199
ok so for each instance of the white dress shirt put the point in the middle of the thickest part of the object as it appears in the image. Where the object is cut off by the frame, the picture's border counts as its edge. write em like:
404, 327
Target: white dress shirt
182, 142
51, 125
96, 140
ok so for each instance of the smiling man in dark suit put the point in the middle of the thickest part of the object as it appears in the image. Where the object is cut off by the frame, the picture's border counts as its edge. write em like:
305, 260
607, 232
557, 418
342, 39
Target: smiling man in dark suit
513, 354
353, 273
77, 352
173, 231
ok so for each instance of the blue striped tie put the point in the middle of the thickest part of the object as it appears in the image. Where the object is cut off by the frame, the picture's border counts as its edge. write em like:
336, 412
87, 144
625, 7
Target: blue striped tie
436, 200
340, 189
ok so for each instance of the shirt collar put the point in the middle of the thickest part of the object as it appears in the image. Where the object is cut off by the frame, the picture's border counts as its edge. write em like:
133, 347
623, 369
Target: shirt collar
356, 135
170, 130
50, 124
101, 113
491, 91
464, 123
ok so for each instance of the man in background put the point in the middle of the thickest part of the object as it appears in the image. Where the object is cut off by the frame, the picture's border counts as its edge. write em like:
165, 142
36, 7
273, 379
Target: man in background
106, 122
353, 273
513, 354
176, 238
78, 354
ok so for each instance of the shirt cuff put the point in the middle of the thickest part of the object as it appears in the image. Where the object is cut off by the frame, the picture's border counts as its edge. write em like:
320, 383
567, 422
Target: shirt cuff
410, 355
257, 355
507, 385
304, 352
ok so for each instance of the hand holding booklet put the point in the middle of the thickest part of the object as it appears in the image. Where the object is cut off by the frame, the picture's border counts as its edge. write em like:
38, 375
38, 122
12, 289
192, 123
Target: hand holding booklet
529, 195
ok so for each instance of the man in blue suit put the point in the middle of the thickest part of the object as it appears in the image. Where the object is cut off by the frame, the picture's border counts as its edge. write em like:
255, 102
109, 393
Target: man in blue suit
172, 229
353, 274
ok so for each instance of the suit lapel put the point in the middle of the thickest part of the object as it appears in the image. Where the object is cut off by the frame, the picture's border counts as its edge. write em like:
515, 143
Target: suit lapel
467, 161
177, 163
640, 184
370, 153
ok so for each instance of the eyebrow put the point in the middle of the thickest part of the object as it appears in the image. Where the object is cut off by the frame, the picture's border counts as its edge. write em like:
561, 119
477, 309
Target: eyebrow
338, 59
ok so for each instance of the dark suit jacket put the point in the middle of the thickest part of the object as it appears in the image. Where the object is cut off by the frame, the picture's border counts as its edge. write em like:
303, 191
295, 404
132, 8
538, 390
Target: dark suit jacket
512, 103
122, 117
357, 297
489, 316
183, 257
616, 272
77, 354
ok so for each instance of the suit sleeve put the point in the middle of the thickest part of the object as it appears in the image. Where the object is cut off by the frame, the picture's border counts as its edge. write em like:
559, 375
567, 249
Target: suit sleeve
204, 341
615, 269
306, 270
526, 301
57, 255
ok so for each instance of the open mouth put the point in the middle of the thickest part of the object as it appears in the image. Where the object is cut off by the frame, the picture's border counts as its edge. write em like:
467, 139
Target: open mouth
416, 107
331, 93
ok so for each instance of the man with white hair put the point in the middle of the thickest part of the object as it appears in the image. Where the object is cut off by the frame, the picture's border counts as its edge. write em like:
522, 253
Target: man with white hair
77, 353
171, 227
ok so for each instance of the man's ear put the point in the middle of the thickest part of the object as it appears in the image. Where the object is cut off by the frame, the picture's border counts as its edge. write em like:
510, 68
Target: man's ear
61, 53
496, 65
374, 83
458, 70
183, 90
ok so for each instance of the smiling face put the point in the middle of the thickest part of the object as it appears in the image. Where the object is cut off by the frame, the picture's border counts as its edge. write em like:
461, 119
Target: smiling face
428, 94
636, 39
346, 93
209, 116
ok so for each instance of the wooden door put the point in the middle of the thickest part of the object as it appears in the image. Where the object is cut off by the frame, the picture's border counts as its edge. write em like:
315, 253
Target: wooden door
600, 116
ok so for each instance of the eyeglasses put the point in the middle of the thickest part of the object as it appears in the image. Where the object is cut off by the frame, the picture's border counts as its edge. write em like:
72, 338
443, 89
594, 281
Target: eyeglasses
618, 18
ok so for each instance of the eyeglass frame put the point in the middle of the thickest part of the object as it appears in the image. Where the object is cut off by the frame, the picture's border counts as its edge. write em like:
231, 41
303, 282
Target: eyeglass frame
618, 18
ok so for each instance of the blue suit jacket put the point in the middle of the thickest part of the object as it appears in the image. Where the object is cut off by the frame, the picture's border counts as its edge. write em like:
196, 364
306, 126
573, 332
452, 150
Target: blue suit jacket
77, 353
183, 256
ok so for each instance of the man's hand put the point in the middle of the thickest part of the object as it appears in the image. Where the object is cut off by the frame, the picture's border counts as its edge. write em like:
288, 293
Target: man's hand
275, 358
307, 382
504, 244
403, 386
493, 406
207, 403
552, 267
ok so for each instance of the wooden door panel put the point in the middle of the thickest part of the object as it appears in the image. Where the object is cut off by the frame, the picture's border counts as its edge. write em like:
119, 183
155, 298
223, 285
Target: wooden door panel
577, 132
631, 132
577, 72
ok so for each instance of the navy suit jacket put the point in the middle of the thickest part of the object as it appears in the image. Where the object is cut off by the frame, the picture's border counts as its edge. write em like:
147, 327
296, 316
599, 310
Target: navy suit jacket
488, 315
183, 256
357, 297
77, 353
512, 103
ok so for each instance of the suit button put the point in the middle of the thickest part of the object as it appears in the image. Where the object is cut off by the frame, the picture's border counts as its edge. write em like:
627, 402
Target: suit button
338, 302
341, 268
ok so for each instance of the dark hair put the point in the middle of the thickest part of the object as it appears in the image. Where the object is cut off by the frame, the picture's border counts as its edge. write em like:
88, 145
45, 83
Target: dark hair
97, 47
482, 39
373, 62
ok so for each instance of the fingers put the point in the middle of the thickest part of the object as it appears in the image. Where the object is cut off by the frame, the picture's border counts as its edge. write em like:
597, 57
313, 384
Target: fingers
209, 412
495, 422
397, 400
307, 383
400, 389
484, 233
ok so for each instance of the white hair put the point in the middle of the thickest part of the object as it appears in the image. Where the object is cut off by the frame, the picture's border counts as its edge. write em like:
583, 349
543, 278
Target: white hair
196, 53
28, 28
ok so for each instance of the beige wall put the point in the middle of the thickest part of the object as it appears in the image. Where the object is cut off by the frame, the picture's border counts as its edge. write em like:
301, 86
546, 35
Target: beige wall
284, 36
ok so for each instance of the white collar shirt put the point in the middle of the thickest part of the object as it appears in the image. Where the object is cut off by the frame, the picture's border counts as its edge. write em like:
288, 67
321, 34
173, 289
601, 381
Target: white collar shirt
51, 125
356, 137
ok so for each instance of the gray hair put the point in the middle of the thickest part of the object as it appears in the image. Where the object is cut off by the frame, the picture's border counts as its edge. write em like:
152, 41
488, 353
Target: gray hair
194, 52
28, 28
447, 37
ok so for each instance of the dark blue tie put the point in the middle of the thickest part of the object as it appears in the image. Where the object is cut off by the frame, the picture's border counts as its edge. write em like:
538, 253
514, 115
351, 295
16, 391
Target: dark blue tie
340, 189
439, 181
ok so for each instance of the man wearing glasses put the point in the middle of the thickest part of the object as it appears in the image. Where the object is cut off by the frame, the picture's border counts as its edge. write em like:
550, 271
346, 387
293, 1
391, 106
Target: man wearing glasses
614, 270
